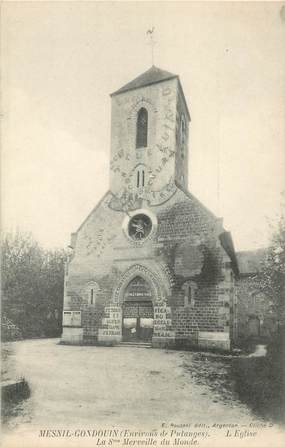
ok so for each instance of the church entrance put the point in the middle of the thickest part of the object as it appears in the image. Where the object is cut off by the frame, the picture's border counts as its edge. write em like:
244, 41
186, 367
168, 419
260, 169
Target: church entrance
137, 311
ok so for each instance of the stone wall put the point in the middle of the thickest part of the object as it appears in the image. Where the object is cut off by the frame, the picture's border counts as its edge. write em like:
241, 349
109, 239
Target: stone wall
256, 317
184, 247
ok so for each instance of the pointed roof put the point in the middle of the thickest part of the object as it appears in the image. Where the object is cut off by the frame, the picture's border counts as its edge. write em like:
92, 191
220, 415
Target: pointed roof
151, 76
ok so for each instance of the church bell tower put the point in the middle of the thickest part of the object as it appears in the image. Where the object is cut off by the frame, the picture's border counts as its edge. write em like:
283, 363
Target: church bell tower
150, 264
149, 135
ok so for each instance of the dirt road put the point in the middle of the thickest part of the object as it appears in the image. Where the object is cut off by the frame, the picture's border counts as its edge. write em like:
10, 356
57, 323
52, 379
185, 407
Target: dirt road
73, 386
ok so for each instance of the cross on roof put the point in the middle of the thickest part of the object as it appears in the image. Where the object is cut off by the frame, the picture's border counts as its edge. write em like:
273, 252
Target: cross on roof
150, 35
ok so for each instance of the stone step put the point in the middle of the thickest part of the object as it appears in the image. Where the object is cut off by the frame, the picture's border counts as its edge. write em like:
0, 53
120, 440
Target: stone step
132, 344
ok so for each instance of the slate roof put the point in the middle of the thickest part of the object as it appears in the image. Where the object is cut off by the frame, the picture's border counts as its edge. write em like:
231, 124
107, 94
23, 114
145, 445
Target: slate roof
228, 245
151, 76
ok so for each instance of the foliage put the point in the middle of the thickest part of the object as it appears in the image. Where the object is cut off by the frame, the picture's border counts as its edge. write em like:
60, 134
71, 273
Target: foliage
9, 331
271, 277
32, 285
260, 380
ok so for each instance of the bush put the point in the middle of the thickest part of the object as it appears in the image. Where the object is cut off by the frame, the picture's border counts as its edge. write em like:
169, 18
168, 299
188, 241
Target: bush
32, 291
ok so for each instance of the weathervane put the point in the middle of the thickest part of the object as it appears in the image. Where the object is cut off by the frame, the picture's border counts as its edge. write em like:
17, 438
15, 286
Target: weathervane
150, 34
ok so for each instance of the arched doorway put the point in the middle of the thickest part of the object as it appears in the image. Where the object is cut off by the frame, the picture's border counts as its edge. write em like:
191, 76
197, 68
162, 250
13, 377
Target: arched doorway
137, 324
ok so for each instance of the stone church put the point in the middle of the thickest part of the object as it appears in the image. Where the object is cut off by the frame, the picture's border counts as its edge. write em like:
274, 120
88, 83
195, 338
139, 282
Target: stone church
150, 264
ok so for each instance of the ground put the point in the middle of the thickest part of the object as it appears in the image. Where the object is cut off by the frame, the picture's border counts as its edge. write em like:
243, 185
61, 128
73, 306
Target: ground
76, 386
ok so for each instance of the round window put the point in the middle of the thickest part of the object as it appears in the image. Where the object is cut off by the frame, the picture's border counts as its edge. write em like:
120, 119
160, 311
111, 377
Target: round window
139, 227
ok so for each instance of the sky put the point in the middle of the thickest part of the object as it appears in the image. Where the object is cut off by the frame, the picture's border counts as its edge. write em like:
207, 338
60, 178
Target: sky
60, 62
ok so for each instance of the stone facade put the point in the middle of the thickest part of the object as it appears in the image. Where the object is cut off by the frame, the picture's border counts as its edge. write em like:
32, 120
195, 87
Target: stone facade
150, 262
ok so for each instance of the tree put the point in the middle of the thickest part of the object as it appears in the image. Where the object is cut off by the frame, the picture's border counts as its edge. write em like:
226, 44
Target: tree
271, 278
263, 379
32, 285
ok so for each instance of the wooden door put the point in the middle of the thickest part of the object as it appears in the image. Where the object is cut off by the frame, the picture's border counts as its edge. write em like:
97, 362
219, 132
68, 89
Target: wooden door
137, 321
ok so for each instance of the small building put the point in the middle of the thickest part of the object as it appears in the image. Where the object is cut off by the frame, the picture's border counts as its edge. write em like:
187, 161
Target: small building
151, 264
256, 314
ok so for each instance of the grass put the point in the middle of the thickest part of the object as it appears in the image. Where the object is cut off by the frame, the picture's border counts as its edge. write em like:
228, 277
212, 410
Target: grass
260, 382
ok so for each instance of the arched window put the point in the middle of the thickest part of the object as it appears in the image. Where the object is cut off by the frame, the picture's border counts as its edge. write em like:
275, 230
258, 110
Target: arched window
142, 119
90, 292
190, 292
182, 130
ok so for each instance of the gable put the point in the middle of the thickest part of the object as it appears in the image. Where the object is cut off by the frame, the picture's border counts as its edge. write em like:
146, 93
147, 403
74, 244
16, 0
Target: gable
185, 218
149, 77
